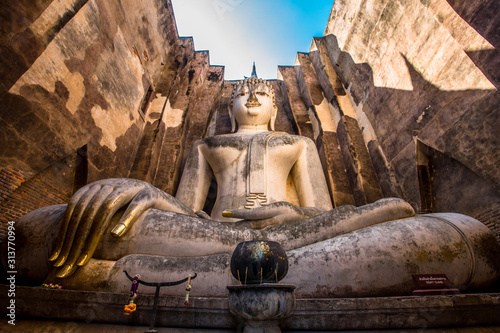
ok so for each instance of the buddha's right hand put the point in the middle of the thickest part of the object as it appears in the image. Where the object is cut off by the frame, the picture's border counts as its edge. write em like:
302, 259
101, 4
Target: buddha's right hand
90, 210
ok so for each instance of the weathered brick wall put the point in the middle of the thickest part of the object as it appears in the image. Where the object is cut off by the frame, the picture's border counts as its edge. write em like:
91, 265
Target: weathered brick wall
23, 193
10, 179
30, 195
491, 218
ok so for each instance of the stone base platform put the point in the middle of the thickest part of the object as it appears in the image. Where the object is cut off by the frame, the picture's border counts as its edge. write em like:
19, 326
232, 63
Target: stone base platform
44, 326
103, 312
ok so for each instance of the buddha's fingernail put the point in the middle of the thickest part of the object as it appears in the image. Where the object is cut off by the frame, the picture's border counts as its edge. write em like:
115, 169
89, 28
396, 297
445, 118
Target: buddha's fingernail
82, 260
119, 230
227, 213
60, 261
66, 271
54, 255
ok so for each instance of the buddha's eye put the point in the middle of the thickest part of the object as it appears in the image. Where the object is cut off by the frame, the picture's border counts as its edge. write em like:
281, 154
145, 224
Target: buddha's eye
262, 93
243, 93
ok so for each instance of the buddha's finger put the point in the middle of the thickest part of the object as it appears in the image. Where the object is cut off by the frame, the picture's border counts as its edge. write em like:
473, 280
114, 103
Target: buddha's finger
74, 222
65, 222
83, 231
116, 200
169, 203
144, 200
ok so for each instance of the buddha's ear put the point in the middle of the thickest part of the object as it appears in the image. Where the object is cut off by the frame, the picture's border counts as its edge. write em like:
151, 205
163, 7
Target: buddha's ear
233, 121
273, 117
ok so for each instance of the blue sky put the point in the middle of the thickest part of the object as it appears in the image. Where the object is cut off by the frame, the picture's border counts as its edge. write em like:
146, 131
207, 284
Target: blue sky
238, 32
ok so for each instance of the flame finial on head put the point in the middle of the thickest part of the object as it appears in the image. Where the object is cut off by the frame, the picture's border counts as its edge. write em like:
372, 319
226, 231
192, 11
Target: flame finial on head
254, 72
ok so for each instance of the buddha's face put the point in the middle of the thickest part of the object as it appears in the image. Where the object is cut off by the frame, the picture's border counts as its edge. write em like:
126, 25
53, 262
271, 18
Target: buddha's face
253, 104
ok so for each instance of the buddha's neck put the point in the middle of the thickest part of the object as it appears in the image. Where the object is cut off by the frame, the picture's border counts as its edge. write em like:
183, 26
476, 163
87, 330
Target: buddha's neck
243, 129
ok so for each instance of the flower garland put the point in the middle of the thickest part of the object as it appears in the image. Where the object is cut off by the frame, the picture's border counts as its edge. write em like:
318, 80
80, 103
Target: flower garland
131, 307
51, 286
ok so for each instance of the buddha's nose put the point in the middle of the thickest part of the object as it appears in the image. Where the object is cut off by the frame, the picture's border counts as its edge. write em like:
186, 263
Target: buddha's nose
252, 98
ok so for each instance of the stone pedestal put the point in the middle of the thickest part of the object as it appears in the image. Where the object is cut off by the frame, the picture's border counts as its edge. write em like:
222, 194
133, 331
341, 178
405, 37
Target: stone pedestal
42, 310
261, 307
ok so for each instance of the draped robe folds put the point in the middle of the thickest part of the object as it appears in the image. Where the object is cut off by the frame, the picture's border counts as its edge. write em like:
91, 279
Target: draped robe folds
256, 184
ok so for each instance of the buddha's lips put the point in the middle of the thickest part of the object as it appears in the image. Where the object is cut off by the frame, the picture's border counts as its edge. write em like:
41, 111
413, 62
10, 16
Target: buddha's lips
252, 104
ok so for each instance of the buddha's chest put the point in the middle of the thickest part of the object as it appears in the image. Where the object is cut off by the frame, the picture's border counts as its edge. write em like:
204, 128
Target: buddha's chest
244, 159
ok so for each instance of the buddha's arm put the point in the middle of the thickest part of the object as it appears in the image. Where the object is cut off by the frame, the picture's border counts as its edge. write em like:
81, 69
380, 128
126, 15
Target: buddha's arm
338, 221
309, 179
196, 178
90, 210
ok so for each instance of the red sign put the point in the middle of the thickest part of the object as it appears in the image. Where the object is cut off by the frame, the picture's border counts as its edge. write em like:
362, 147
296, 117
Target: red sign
433, 284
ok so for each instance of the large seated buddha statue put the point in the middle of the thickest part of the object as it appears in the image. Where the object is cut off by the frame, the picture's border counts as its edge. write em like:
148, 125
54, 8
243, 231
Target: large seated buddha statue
270, 186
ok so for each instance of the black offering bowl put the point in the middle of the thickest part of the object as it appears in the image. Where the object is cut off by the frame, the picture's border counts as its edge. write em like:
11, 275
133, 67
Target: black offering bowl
259, 261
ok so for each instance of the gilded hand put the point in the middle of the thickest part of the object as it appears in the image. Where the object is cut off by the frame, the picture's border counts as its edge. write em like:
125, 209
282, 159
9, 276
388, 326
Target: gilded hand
90, 210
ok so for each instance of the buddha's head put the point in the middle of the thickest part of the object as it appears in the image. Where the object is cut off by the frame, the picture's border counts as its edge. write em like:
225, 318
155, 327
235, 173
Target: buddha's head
253, 103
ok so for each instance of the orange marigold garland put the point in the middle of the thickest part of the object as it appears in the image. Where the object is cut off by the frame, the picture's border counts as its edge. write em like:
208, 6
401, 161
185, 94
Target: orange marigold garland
131, 307
51, 286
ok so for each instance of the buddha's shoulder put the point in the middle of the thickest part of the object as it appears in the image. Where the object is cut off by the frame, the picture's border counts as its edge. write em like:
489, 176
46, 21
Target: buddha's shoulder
223, 141
286, 138
241, 141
